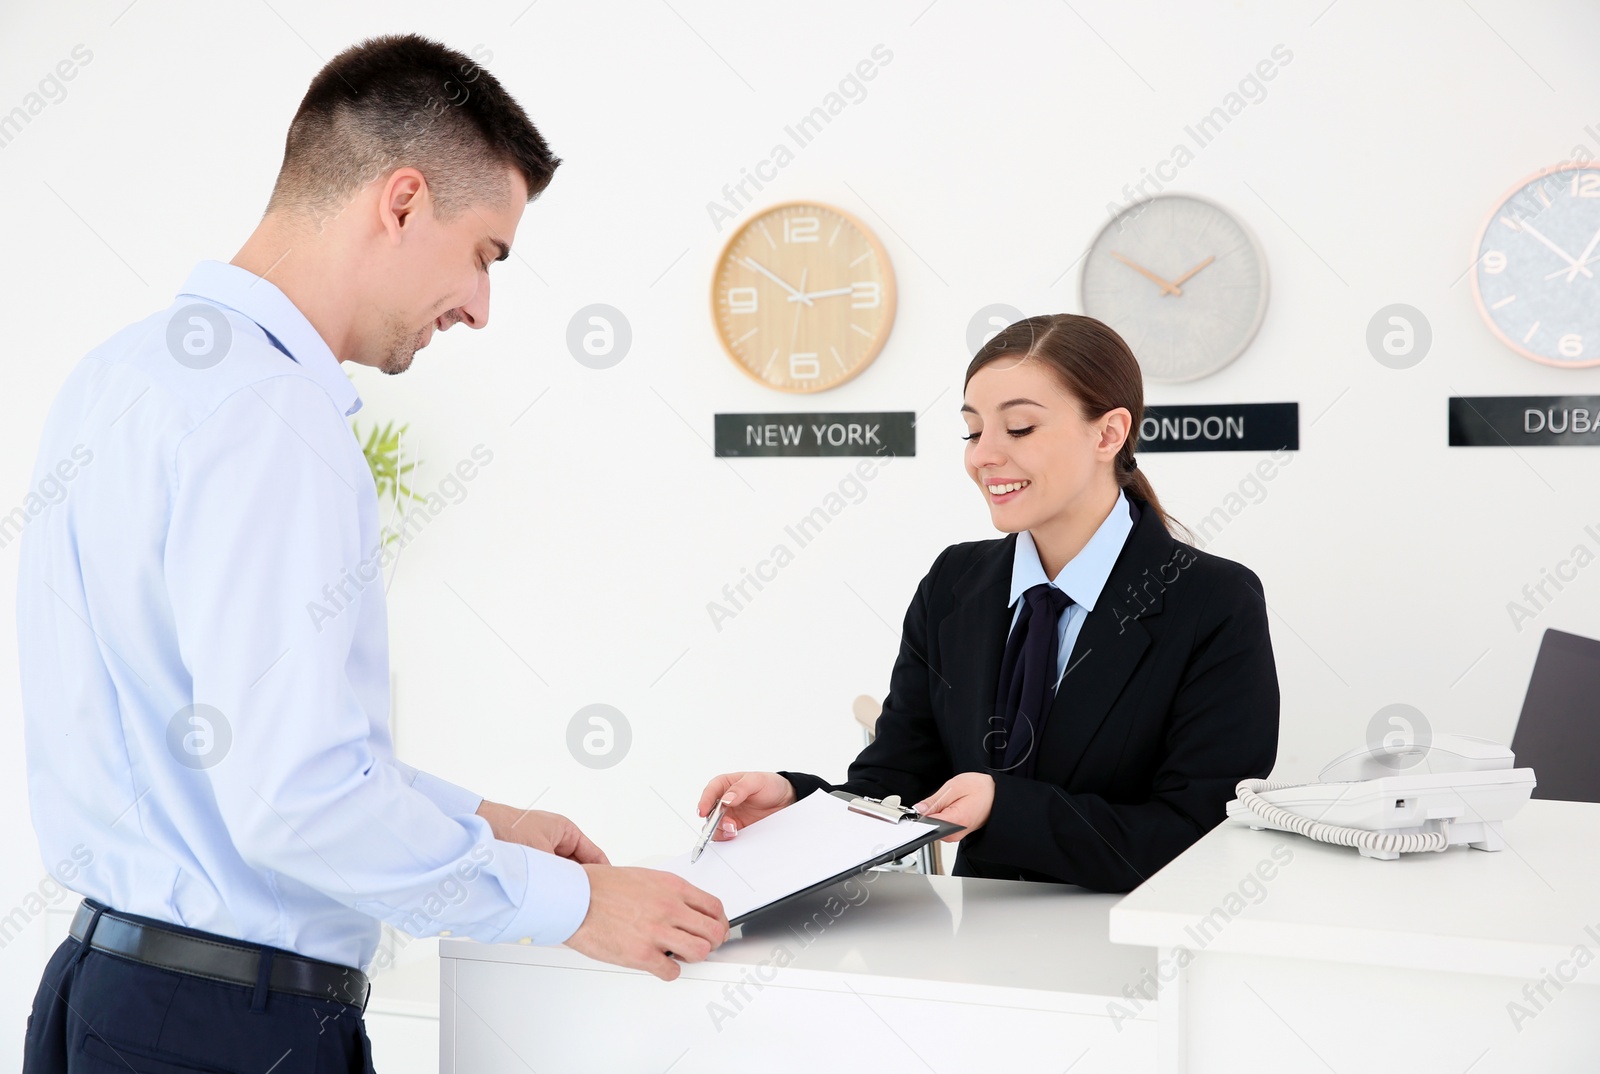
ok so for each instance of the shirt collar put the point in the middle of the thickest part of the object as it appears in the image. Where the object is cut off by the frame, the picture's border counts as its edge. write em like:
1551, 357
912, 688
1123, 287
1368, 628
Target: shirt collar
252, 296
1085, 574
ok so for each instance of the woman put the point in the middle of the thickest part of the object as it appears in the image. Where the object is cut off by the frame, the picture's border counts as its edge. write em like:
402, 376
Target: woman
1082, 695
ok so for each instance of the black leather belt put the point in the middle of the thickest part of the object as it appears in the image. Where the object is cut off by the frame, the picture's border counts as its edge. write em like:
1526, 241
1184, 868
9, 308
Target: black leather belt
217, 958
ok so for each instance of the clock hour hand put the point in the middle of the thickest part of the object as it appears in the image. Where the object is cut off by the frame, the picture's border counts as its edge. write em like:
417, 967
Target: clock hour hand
1181, 279
1575, 264
820, 294
796, 296
1166, 288
1583, 260
1563, 272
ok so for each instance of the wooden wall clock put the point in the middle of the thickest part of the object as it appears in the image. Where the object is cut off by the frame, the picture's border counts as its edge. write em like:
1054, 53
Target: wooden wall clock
1536, 279
1182, 280
803, 297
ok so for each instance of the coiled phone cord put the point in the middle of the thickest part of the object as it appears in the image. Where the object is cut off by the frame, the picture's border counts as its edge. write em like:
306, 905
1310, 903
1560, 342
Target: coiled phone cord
1248, 793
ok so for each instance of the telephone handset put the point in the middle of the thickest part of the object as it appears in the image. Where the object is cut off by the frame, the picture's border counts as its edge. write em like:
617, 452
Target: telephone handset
1389, 800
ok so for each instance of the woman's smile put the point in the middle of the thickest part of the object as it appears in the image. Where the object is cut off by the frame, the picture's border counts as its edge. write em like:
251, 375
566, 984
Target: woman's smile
1004, 491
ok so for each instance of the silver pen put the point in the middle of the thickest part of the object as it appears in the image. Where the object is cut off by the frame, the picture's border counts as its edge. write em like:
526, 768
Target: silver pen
709, 830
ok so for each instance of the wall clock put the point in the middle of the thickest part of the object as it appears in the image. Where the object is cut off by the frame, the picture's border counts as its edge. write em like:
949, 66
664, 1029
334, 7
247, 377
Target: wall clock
1182, 280
1536, 280
803, 297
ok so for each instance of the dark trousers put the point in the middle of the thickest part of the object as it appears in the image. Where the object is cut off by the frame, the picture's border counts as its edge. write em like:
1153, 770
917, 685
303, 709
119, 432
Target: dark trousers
103, 1014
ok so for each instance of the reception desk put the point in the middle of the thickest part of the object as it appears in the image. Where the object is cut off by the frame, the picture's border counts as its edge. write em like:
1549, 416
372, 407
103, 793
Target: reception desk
1252, 946
1299, 956
889, 972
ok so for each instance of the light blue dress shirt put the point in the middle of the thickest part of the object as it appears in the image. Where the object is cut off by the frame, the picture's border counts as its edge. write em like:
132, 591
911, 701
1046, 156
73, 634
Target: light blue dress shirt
220, 753
1082, 578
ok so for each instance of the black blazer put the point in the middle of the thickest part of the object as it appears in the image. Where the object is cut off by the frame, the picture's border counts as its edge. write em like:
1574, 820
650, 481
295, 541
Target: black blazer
1170, 699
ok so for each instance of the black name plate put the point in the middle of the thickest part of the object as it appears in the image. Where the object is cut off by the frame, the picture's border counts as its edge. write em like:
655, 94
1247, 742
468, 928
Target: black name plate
747, 435
1524, 420
1221, 427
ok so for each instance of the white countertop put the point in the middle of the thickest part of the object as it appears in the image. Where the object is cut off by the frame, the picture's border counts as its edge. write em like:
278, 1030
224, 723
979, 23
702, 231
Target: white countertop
1514, 912
1046, 938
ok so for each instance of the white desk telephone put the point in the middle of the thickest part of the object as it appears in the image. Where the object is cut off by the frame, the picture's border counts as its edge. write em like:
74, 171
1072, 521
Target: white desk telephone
1393, 800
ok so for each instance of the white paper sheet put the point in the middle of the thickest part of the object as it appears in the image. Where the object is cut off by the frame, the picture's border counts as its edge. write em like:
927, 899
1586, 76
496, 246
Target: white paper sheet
791, 850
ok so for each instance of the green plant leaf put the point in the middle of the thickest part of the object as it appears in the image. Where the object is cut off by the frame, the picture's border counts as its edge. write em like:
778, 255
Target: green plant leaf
381, 447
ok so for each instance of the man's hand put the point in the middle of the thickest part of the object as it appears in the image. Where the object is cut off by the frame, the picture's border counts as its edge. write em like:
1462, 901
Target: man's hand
637, 917
750, 796
550, 832
965, 800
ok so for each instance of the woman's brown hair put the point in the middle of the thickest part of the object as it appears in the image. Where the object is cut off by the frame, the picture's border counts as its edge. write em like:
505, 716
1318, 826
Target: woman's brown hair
1096, 367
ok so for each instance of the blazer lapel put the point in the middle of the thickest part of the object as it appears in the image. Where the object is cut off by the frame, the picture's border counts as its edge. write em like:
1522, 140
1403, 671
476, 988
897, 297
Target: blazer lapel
972, 640
1107, 650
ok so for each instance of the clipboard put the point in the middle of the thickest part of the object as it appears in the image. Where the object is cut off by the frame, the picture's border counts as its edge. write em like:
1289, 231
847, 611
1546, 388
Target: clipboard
888, 810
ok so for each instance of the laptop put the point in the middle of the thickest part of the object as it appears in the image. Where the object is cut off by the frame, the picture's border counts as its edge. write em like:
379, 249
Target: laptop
1558, 733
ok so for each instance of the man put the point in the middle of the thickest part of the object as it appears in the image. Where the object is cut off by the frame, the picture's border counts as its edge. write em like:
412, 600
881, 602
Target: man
218, 757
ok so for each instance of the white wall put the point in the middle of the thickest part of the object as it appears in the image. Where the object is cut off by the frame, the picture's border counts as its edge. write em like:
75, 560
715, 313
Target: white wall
991, 145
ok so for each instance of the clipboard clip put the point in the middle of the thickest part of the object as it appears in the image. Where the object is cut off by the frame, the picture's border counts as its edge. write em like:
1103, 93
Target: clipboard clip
888, 809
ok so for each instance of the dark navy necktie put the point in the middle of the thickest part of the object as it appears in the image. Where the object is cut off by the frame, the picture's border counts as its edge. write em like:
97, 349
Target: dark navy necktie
1027, 680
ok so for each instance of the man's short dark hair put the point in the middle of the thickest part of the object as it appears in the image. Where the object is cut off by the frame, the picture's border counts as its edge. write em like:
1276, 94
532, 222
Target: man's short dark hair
399, 101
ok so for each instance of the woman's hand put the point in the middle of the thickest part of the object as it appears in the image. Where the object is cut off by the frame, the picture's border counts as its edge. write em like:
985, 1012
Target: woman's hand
750, 796
965, 800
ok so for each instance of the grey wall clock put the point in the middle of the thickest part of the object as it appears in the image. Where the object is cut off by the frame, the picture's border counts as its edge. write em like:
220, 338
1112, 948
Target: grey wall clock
1182, 280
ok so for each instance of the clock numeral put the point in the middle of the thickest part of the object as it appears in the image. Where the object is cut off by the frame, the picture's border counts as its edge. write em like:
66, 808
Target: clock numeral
866, 295
1570, 345
805, 366
1586, 184
1494, 262
800, 229
742, 299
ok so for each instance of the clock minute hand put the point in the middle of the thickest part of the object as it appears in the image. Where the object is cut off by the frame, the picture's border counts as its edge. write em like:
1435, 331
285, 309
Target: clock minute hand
820, 294
1576, 265
798, 296
1166, 287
